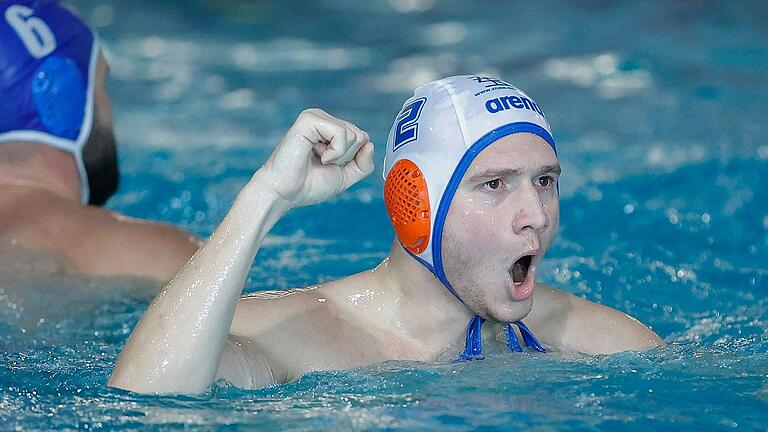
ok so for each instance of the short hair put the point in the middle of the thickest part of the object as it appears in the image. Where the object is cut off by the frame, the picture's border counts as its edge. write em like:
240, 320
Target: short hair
100, 159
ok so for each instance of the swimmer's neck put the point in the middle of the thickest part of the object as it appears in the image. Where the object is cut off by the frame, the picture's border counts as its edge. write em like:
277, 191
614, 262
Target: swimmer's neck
425, 310
37, 167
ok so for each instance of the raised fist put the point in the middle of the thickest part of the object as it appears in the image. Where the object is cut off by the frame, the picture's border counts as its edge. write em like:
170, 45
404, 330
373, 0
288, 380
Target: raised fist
317, 158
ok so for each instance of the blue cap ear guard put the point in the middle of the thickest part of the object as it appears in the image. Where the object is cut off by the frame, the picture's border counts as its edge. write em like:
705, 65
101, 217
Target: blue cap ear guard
58, 92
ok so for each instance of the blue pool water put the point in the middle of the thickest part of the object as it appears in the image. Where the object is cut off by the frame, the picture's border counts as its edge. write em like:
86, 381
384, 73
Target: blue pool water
659, 111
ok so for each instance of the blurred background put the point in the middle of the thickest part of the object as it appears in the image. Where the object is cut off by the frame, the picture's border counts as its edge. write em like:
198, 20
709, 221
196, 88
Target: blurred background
659, 110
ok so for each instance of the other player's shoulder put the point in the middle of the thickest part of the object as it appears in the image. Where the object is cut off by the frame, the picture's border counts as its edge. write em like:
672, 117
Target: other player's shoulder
94, 240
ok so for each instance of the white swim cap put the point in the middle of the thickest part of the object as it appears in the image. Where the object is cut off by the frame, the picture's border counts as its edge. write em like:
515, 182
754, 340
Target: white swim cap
435, 137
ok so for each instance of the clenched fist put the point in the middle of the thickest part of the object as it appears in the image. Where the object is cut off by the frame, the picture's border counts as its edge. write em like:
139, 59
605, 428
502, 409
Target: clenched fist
318, 157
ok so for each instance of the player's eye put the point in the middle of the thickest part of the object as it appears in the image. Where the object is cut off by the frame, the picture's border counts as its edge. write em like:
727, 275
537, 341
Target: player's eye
545, 181
493, 184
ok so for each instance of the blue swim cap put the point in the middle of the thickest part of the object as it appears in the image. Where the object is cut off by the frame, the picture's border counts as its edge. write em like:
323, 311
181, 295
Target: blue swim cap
48, 58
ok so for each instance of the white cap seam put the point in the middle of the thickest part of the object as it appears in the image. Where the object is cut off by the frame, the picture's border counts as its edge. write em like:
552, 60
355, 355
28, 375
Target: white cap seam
456, 111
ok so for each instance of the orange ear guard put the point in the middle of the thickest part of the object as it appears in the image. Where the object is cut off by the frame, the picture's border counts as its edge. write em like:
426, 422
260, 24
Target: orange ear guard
407, 201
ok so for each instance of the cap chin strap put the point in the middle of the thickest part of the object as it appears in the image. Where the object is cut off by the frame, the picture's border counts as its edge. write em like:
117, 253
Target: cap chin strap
473, 347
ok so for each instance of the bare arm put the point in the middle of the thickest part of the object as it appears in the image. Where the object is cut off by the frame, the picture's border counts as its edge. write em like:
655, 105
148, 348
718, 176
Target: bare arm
177, 344
573, 323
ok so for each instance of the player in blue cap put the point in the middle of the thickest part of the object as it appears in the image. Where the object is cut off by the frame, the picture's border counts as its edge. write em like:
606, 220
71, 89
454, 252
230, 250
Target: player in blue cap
471, 174
58, 158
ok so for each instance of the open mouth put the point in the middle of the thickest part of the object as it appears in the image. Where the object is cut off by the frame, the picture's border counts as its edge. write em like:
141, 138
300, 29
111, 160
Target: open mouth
520, 269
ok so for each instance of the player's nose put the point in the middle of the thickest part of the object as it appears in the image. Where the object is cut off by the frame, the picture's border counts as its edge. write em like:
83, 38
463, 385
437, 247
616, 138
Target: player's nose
530, 212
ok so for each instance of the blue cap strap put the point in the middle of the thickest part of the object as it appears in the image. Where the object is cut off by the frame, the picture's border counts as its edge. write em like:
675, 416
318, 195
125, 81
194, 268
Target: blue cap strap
473, 348
528, 337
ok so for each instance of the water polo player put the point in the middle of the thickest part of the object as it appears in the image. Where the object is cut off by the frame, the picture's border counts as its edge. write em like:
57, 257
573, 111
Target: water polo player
471, 175
58, 155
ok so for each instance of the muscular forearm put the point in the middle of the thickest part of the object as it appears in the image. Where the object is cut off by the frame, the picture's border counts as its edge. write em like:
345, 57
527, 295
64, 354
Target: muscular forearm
175, 347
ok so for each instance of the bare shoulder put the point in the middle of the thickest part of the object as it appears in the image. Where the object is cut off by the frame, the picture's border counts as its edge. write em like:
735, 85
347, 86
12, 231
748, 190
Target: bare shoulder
111, 243
265, 329
97, 241
262, 308
315, 304
573, 323
294, 313
308, 329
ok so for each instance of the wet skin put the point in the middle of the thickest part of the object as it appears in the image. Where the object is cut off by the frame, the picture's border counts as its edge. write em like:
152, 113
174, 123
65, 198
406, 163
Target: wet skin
199, 328
506, 206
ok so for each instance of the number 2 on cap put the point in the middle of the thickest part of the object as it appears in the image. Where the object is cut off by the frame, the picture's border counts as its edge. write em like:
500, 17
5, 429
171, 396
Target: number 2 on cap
407, 123
33, 32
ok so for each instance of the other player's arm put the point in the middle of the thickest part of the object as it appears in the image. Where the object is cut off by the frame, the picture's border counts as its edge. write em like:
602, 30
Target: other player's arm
177, 344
